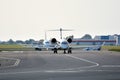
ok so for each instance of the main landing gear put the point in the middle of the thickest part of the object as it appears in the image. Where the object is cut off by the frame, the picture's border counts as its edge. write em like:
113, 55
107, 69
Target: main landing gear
69, 51
55, 50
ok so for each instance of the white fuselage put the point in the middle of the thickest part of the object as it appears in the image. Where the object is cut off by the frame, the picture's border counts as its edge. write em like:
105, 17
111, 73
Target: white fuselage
62, 44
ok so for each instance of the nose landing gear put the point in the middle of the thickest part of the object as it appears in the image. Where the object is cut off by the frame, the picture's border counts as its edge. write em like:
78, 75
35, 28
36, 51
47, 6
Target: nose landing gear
55, 50
69, 50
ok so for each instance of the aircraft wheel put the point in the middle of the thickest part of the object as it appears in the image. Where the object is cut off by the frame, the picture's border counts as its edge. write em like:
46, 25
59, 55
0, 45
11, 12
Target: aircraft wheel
55, 50
64, 51
69, 51
38, 49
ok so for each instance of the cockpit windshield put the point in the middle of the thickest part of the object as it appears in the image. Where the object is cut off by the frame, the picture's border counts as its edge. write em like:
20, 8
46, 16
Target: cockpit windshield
64, 43
47, 42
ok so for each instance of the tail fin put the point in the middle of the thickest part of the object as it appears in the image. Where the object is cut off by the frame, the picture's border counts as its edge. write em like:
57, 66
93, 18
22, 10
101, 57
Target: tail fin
103, 44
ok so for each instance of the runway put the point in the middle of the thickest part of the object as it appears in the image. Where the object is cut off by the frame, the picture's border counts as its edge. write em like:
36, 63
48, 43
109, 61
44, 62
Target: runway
44, 65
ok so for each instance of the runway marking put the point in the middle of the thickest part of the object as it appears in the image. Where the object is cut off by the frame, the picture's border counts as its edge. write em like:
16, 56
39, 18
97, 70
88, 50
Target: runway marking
95, 64
110, 66
53, 71
18, 51
14, 51
15, 64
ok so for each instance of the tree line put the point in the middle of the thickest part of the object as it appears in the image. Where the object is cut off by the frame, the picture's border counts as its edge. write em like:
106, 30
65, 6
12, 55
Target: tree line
11, 41
29, 41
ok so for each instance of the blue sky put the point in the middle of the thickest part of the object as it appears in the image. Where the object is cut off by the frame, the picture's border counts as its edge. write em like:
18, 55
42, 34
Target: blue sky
24, 19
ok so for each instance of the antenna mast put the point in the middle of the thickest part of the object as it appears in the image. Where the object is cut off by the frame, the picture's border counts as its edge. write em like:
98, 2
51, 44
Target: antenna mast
60, 33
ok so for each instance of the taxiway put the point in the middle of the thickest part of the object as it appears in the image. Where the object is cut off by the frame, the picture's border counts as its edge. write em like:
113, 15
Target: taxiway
44, 65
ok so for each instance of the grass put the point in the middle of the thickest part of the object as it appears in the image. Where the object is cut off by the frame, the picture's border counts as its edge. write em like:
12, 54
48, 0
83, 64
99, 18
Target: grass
111, 48
2, 46
14, 47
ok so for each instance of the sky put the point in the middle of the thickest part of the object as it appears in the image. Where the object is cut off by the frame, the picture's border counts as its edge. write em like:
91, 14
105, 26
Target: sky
25, 19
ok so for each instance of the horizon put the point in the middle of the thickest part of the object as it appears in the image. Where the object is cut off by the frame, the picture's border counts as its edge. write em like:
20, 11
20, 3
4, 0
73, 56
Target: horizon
58, 37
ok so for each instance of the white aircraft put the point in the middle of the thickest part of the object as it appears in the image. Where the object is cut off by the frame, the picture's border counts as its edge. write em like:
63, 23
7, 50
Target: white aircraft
55, 45
94, 48
64, 44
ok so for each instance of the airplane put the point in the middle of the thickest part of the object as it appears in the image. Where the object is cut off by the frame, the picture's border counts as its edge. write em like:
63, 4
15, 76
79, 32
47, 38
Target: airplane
94, 48
64, 44
55, 45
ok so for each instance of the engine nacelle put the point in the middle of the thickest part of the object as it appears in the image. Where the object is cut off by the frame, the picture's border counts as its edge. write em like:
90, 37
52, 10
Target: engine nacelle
69, 40
53, 40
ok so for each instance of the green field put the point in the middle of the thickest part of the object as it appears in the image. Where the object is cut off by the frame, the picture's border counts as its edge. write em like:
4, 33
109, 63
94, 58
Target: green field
14, 47
111, 48
10, 46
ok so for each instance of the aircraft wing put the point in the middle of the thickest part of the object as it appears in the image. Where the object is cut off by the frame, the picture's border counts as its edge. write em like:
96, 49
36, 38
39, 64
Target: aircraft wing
89, 47
43, 47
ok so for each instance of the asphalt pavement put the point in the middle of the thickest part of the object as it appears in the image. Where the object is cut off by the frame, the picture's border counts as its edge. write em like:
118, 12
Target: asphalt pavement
44, 65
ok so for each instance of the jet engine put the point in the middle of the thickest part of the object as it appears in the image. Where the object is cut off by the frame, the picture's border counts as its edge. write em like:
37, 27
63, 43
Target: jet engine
69, 40
53, 40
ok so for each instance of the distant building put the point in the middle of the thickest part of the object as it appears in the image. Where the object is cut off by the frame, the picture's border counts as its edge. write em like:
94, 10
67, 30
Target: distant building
118, 39
87, 36
104, 37
98, 40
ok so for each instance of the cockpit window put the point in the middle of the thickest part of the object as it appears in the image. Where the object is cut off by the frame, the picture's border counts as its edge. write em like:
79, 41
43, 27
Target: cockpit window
64, 43
47, 42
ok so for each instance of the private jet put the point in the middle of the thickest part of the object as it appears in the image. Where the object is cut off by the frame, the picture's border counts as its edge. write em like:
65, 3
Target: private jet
55, 45
94, 48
